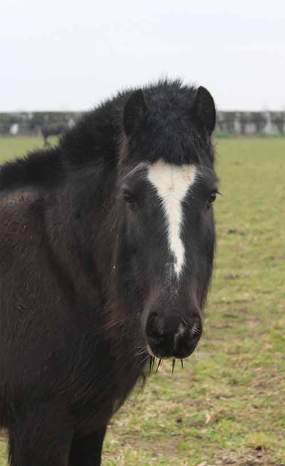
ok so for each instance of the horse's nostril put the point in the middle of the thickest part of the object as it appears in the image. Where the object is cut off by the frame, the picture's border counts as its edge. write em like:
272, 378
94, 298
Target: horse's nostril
195, 327
152, 329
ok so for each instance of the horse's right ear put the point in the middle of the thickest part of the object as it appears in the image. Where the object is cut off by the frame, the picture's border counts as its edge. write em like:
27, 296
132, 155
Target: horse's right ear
135, 112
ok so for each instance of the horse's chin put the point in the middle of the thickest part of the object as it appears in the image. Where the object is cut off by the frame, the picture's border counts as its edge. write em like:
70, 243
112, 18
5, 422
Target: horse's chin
158, 355
151, 353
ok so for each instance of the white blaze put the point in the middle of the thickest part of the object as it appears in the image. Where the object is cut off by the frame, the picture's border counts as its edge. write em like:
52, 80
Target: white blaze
172, 183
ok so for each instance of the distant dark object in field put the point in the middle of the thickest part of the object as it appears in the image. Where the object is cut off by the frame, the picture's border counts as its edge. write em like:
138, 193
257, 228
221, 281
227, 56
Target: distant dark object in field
53, 129
233, 231
278, 119
106, 254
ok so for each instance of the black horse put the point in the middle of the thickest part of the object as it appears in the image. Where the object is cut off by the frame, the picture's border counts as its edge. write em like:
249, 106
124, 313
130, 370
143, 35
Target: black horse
52, 129
106, 253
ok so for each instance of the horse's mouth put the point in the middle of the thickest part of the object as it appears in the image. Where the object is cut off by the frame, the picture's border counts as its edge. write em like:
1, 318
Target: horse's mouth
168, 353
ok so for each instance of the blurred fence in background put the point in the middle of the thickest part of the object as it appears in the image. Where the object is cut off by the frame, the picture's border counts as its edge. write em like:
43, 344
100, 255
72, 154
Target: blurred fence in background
251, 123
30, 124
228, 123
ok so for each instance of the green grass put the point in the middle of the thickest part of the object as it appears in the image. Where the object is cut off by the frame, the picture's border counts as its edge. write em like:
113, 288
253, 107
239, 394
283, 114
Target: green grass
16, 147
227, 407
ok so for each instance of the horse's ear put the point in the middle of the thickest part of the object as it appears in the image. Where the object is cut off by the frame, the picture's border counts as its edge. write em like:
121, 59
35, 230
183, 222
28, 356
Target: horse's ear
204, 109
135, 111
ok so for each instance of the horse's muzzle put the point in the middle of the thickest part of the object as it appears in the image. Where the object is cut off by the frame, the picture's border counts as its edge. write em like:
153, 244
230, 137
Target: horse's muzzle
174, 337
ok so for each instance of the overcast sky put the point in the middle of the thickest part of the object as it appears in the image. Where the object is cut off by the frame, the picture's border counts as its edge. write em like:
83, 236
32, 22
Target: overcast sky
69, 55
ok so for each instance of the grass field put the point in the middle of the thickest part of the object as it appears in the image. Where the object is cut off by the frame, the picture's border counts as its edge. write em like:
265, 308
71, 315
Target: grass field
227, 407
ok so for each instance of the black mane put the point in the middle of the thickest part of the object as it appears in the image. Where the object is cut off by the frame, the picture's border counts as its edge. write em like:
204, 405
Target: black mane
96, 138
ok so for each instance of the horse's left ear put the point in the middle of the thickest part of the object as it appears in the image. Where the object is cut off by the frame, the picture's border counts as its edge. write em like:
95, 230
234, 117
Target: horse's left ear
204, 109
135, 111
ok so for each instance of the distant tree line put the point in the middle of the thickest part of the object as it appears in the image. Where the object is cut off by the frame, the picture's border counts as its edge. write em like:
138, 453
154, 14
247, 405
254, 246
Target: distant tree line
239, 123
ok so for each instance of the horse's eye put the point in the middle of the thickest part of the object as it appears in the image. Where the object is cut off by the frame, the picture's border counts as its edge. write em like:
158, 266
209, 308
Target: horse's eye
128, 197
212, 198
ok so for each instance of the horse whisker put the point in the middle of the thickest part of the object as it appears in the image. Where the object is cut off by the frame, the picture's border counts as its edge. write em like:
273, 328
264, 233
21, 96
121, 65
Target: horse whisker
159, 362
151, 363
